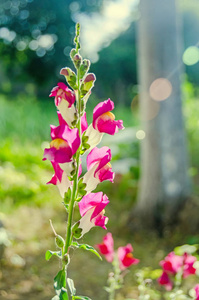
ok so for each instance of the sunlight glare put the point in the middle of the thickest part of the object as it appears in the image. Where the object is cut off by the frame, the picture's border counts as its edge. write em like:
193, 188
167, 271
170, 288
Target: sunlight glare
191, 56
160, 89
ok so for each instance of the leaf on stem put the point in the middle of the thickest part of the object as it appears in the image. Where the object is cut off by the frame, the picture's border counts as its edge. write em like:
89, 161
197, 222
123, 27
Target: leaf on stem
60, 282
63, 294
50, 253
86, 247
71, 286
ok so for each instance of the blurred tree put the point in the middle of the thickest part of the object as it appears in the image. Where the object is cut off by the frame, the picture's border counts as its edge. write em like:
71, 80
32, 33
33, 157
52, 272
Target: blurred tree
34, 40
164, 184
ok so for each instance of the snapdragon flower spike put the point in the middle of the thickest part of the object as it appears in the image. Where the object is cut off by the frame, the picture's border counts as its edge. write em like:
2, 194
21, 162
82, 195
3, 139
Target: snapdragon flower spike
103, 122
91, 209
60, 179
106, 247
99, 168
64, 101
65, 143
165, 281
125, 257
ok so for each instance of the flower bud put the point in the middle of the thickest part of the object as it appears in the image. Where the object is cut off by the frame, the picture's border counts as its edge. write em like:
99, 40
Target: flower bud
84, 67
72, 53
59, 241
66, 259
77, 59
70, 77
88, 83
77, 232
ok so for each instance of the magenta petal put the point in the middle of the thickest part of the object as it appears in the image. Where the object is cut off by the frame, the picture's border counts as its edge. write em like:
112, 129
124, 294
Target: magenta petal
93, 200
84, 124
89, 201
101, 221
100, 206
165, 280
58, 155
101, 155
107, 247
105, 174
61, 119
58, 170
53, 180
70, 135
54, 91
102, 108
109, 126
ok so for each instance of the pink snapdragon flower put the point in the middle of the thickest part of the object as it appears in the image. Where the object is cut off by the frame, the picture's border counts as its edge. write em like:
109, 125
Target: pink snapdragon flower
172, 263
165, 281
103, 122
64, 101
106, 247
60, 179
65, 143
188, 268
125, 257
196, 288
99, 168
91, 209
62, 92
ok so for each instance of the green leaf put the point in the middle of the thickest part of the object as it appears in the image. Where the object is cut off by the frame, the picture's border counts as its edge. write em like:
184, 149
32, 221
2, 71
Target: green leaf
185, 248
50, 253
60, 282
71, 286
86, 247
63, 294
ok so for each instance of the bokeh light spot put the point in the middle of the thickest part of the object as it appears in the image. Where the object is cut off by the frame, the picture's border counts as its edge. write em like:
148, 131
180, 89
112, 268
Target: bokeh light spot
191, 56
160, 89
140, 134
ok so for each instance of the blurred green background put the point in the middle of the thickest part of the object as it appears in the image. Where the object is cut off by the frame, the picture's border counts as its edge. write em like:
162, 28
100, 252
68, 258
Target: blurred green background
35, 41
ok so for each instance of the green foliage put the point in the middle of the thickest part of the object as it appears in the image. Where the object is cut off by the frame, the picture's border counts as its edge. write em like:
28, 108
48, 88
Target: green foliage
86, 247
60, 284
50, 253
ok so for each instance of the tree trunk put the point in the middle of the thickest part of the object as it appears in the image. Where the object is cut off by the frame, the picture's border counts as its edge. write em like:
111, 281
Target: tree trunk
164, 184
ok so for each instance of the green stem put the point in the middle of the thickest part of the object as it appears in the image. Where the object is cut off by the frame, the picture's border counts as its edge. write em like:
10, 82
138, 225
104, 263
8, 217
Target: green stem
115, 279
75, 182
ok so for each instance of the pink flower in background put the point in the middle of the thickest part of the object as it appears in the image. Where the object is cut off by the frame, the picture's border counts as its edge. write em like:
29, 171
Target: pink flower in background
99, 168
125, 257
64, 145
196, 288
91, 209
62, 92
60, 179
172, 263
106, 247
104, 120
165, 280
188, 261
